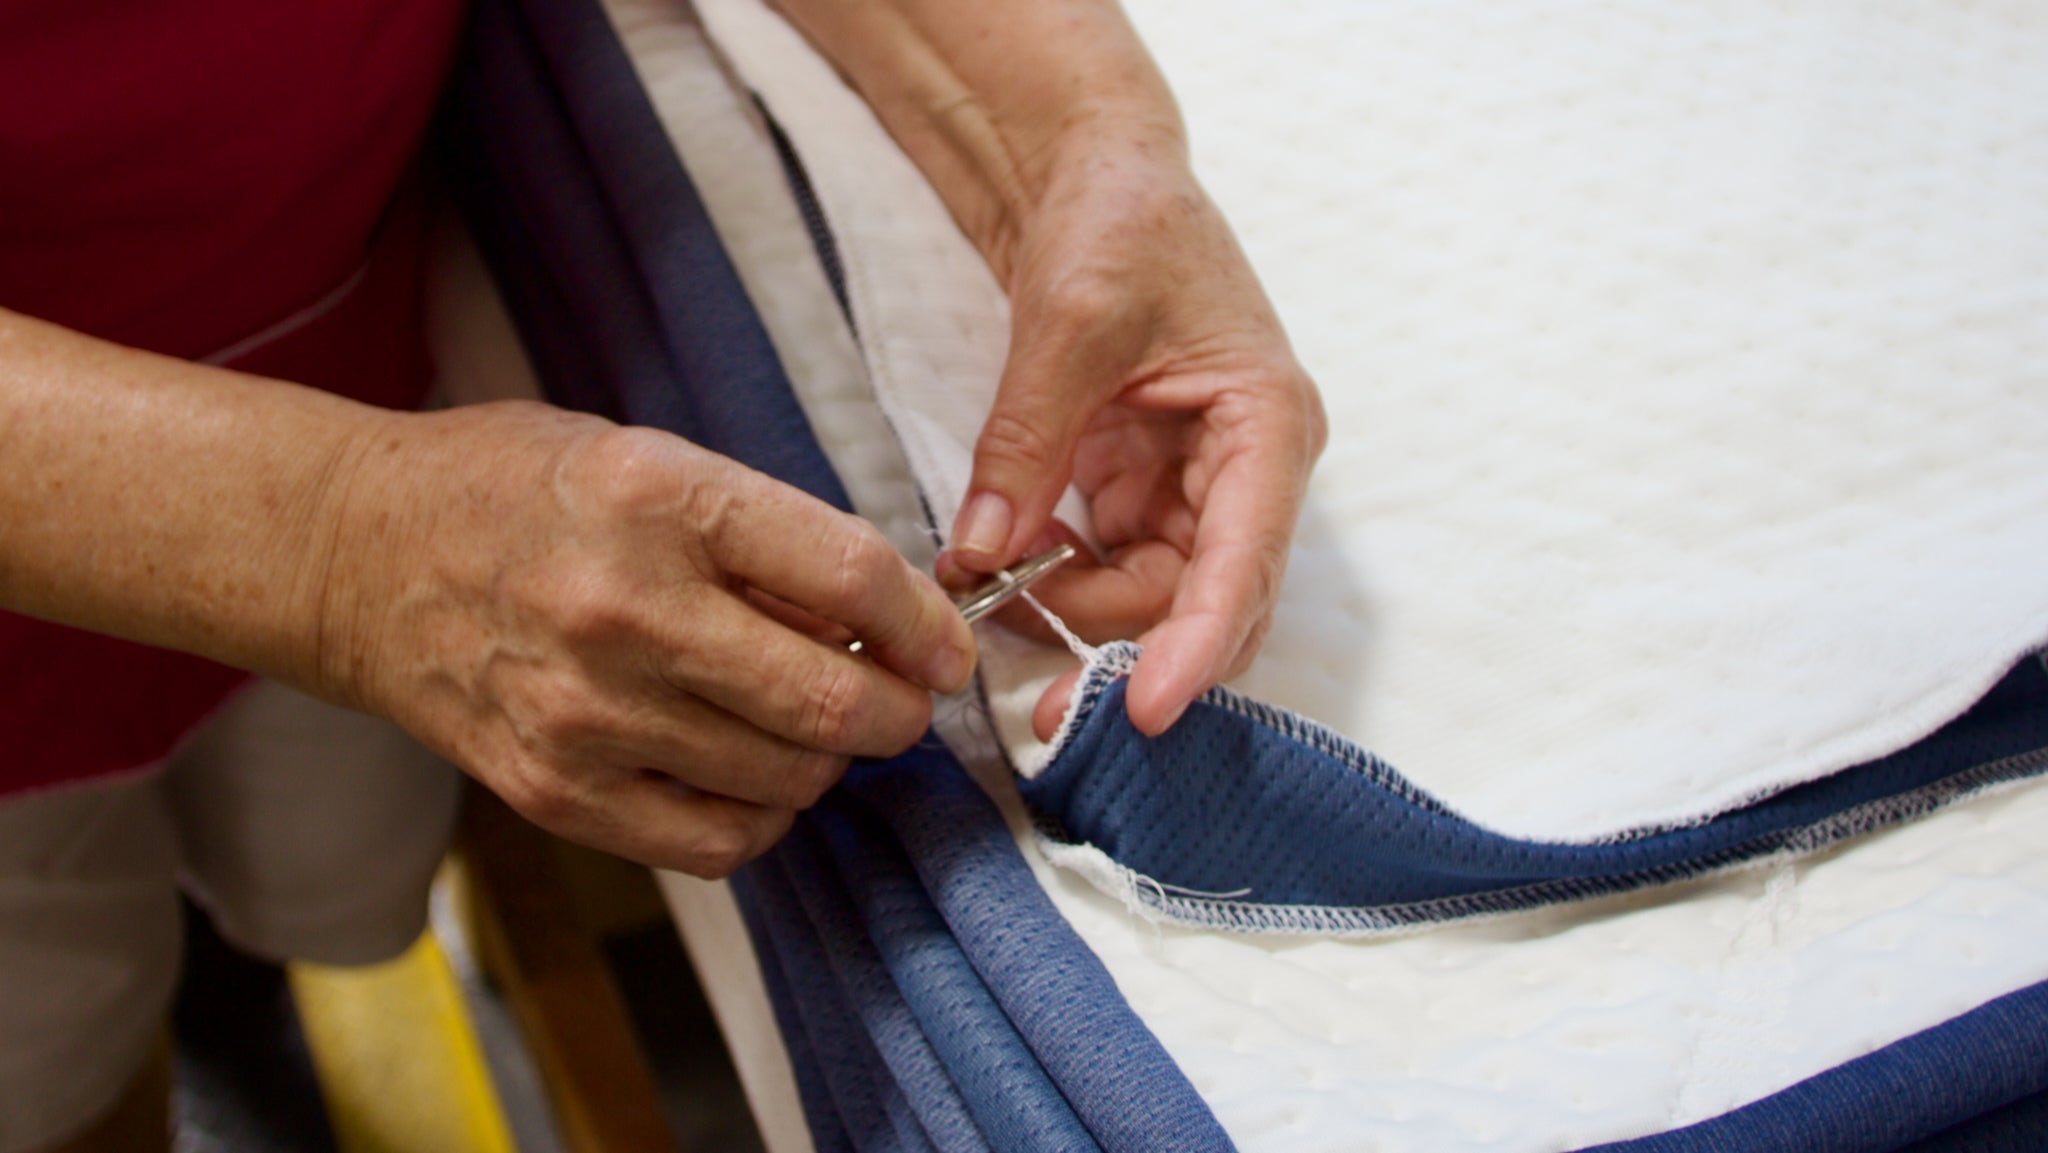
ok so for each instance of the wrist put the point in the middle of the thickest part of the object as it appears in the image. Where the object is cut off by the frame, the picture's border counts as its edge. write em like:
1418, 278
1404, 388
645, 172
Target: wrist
364, 527
1114, 162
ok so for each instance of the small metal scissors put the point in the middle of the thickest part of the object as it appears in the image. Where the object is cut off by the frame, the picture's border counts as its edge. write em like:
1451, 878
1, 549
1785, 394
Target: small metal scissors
1004, 586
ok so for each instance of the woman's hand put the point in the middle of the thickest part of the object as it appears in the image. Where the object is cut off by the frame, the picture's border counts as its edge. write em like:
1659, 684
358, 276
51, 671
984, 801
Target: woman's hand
589, 620
1147, 365
1145, 362
637, 643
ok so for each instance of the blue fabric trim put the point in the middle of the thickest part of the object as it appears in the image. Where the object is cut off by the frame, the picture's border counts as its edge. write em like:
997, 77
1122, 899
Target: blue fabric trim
1344, 843
827, 1134
617, 237
867, 1102
586, 330
2020, 1127
866, 985
1009, 1093
1052, 988
1917, 1088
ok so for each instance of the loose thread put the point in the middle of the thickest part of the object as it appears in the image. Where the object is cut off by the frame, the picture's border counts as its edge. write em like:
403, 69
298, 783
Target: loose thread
1079, 647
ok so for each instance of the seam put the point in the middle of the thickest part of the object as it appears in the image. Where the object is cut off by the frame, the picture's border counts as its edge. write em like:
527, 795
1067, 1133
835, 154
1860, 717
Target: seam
293, 323
1151, 899
1119, 657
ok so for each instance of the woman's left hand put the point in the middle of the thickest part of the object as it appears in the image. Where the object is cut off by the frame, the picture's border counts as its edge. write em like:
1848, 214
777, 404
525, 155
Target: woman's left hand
1146, 366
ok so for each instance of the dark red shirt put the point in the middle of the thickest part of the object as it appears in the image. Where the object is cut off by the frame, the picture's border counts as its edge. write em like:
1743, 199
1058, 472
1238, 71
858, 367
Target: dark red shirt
180, 177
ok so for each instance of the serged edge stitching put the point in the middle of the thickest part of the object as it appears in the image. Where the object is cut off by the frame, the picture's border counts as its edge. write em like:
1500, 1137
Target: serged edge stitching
1155, 901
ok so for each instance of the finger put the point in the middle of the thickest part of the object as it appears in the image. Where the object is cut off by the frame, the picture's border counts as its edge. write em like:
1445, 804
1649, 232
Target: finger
647, 817
957, 579
1066, 356
1143, 504
711, 749
1228, 590
810, 624
819, 696
841, 569
1104, 602
1051, 709
672, 826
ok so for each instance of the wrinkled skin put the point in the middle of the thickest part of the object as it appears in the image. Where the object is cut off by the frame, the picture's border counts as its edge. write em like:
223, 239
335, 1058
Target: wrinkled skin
599, 627
1147, 364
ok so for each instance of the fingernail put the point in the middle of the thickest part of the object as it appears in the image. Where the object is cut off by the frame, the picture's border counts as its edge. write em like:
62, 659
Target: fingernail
949, 669
984, 526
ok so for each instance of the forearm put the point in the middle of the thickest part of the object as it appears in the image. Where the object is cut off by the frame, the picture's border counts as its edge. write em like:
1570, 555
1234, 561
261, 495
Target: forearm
169, 502
1001, 104
559, 605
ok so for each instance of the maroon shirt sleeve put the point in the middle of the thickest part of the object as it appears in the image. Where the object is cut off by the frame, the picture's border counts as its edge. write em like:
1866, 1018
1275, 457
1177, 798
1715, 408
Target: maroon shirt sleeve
181, 176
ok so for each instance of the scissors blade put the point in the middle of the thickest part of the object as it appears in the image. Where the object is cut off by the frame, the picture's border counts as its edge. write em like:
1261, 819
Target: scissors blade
1006, 585
1003, 587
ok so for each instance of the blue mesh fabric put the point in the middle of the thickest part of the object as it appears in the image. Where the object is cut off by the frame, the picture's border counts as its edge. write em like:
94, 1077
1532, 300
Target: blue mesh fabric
1012, 1098
1325, 826
867, 987
868, 1101
1989, 1065
806, 1065
1051, 988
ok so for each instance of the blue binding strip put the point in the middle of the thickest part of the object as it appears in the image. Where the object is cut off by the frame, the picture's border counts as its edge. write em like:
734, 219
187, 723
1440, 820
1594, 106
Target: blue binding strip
1050, 985
808, 1067
1992, 1060
866, 1097
1344, 843
866, 985
629, 306
1007, 1090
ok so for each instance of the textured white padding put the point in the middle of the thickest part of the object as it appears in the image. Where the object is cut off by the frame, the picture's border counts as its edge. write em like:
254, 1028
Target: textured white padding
1685, 364
1571, 1026
1689, 364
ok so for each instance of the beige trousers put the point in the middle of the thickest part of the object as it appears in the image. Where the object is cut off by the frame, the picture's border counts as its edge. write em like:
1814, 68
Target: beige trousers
308, 832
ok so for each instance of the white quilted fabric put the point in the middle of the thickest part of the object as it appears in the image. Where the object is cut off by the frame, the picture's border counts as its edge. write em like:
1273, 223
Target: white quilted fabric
1690, 364
1694, 358
1687, 367
1572, 1026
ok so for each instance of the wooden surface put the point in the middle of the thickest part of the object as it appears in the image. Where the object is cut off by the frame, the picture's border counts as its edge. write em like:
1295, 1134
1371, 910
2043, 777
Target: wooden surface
540, 946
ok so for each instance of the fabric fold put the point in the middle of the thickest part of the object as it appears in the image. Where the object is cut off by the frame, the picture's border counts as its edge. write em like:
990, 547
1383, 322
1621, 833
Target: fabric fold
1250, 818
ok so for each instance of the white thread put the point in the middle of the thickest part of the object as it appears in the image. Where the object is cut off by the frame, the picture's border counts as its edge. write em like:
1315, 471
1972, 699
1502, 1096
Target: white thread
1184, 891
1079, 647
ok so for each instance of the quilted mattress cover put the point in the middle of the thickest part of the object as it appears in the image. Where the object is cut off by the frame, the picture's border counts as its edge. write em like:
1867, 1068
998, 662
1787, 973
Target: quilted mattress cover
1684, 367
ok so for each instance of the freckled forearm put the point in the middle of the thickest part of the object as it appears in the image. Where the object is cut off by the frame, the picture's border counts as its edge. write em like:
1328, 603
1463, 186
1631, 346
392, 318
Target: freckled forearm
168, 502
995, 101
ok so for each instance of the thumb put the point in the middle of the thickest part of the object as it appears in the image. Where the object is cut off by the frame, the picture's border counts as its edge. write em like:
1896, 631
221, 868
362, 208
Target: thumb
1024, 457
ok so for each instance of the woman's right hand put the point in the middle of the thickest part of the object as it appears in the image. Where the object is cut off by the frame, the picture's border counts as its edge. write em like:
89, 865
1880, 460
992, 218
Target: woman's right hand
573, 613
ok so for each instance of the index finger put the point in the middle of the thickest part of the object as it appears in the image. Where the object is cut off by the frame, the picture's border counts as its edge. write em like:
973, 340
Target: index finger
841, 569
